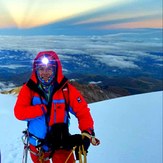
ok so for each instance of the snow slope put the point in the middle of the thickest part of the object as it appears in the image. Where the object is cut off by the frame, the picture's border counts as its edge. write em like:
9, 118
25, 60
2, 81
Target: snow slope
130, 130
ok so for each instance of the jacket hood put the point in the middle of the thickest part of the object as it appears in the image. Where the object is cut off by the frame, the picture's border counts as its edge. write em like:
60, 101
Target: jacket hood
59, 74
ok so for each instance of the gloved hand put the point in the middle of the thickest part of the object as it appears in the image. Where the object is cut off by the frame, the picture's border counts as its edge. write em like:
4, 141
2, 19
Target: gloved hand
82, 141
86, 140
86, 143
93, 140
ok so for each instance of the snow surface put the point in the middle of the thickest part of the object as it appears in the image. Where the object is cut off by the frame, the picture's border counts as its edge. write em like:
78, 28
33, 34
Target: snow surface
130, 130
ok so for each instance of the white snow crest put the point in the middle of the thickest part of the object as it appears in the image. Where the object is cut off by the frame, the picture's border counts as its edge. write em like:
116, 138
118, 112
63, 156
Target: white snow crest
129, 128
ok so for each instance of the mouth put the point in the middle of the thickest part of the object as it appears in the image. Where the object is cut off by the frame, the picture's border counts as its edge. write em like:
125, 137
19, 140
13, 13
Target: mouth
45, 78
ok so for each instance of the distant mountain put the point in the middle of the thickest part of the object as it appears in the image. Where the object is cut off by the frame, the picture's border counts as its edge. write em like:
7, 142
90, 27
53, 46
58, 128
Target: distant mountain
14, 91
93, 92
94, 87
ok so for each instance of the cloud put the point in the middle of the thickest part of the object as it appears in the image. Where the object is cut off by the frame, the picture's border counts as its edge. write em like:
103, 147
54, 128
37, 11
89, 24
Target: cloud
152, 23
12, 66
3, 86
126, 12
121, 50
121, 62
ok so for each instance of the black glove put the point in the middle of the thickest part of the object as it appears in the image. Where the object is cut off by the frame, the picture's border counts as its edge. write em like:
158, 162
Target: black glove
81, 141
86, 143
86, 140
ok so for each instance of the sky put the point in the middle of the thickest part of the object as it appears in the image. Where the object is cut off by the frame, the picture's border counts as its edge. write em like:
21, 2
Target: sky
129, 128
67, 16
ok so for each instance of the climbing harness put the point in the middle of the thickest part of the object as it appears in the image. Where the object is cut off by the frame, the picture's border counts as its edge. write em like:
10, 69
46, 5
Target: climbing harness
79, 150
39, 153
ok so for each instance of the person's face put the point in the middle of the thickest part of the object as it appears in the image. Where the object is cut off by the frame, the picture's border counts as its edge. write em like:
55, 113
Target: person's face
45, 72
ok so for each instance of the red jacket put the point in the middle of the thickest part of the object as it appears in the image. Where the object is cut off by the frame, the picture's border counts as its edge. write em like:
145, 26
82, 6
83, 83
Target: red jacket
30, 105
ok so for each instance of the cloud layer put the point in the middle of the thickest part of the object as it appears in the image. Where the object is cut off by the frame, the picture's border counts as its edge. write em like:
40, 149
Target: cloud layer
121, 50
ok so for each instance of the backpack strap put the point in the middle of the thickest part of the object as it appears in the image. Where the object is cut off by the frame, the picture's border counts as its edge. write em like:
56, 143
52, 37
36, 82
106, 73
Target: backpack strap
65, 91
33, 86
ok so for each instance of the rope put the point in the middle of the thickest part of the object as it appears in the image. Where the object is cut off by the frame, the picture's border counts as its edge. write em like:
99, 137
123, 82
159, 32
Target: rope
70, 154
82, 153
40, 155
94, 141
85, 154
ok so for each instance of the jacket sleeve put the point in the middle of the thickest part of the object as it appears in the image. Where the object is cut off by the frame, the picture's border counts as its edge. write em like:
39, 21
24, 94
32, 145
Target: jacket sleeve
23, 109
79, 107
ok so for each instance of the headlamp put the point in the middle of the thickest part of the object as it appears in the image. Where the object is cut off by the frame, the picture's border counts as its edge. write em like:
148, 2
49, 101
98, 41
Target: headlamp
45, 60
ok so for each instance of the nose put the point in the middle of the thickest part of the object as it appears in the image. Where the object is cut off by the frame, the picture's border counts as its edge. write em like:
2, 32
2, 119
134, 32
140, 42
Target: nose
45, 70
